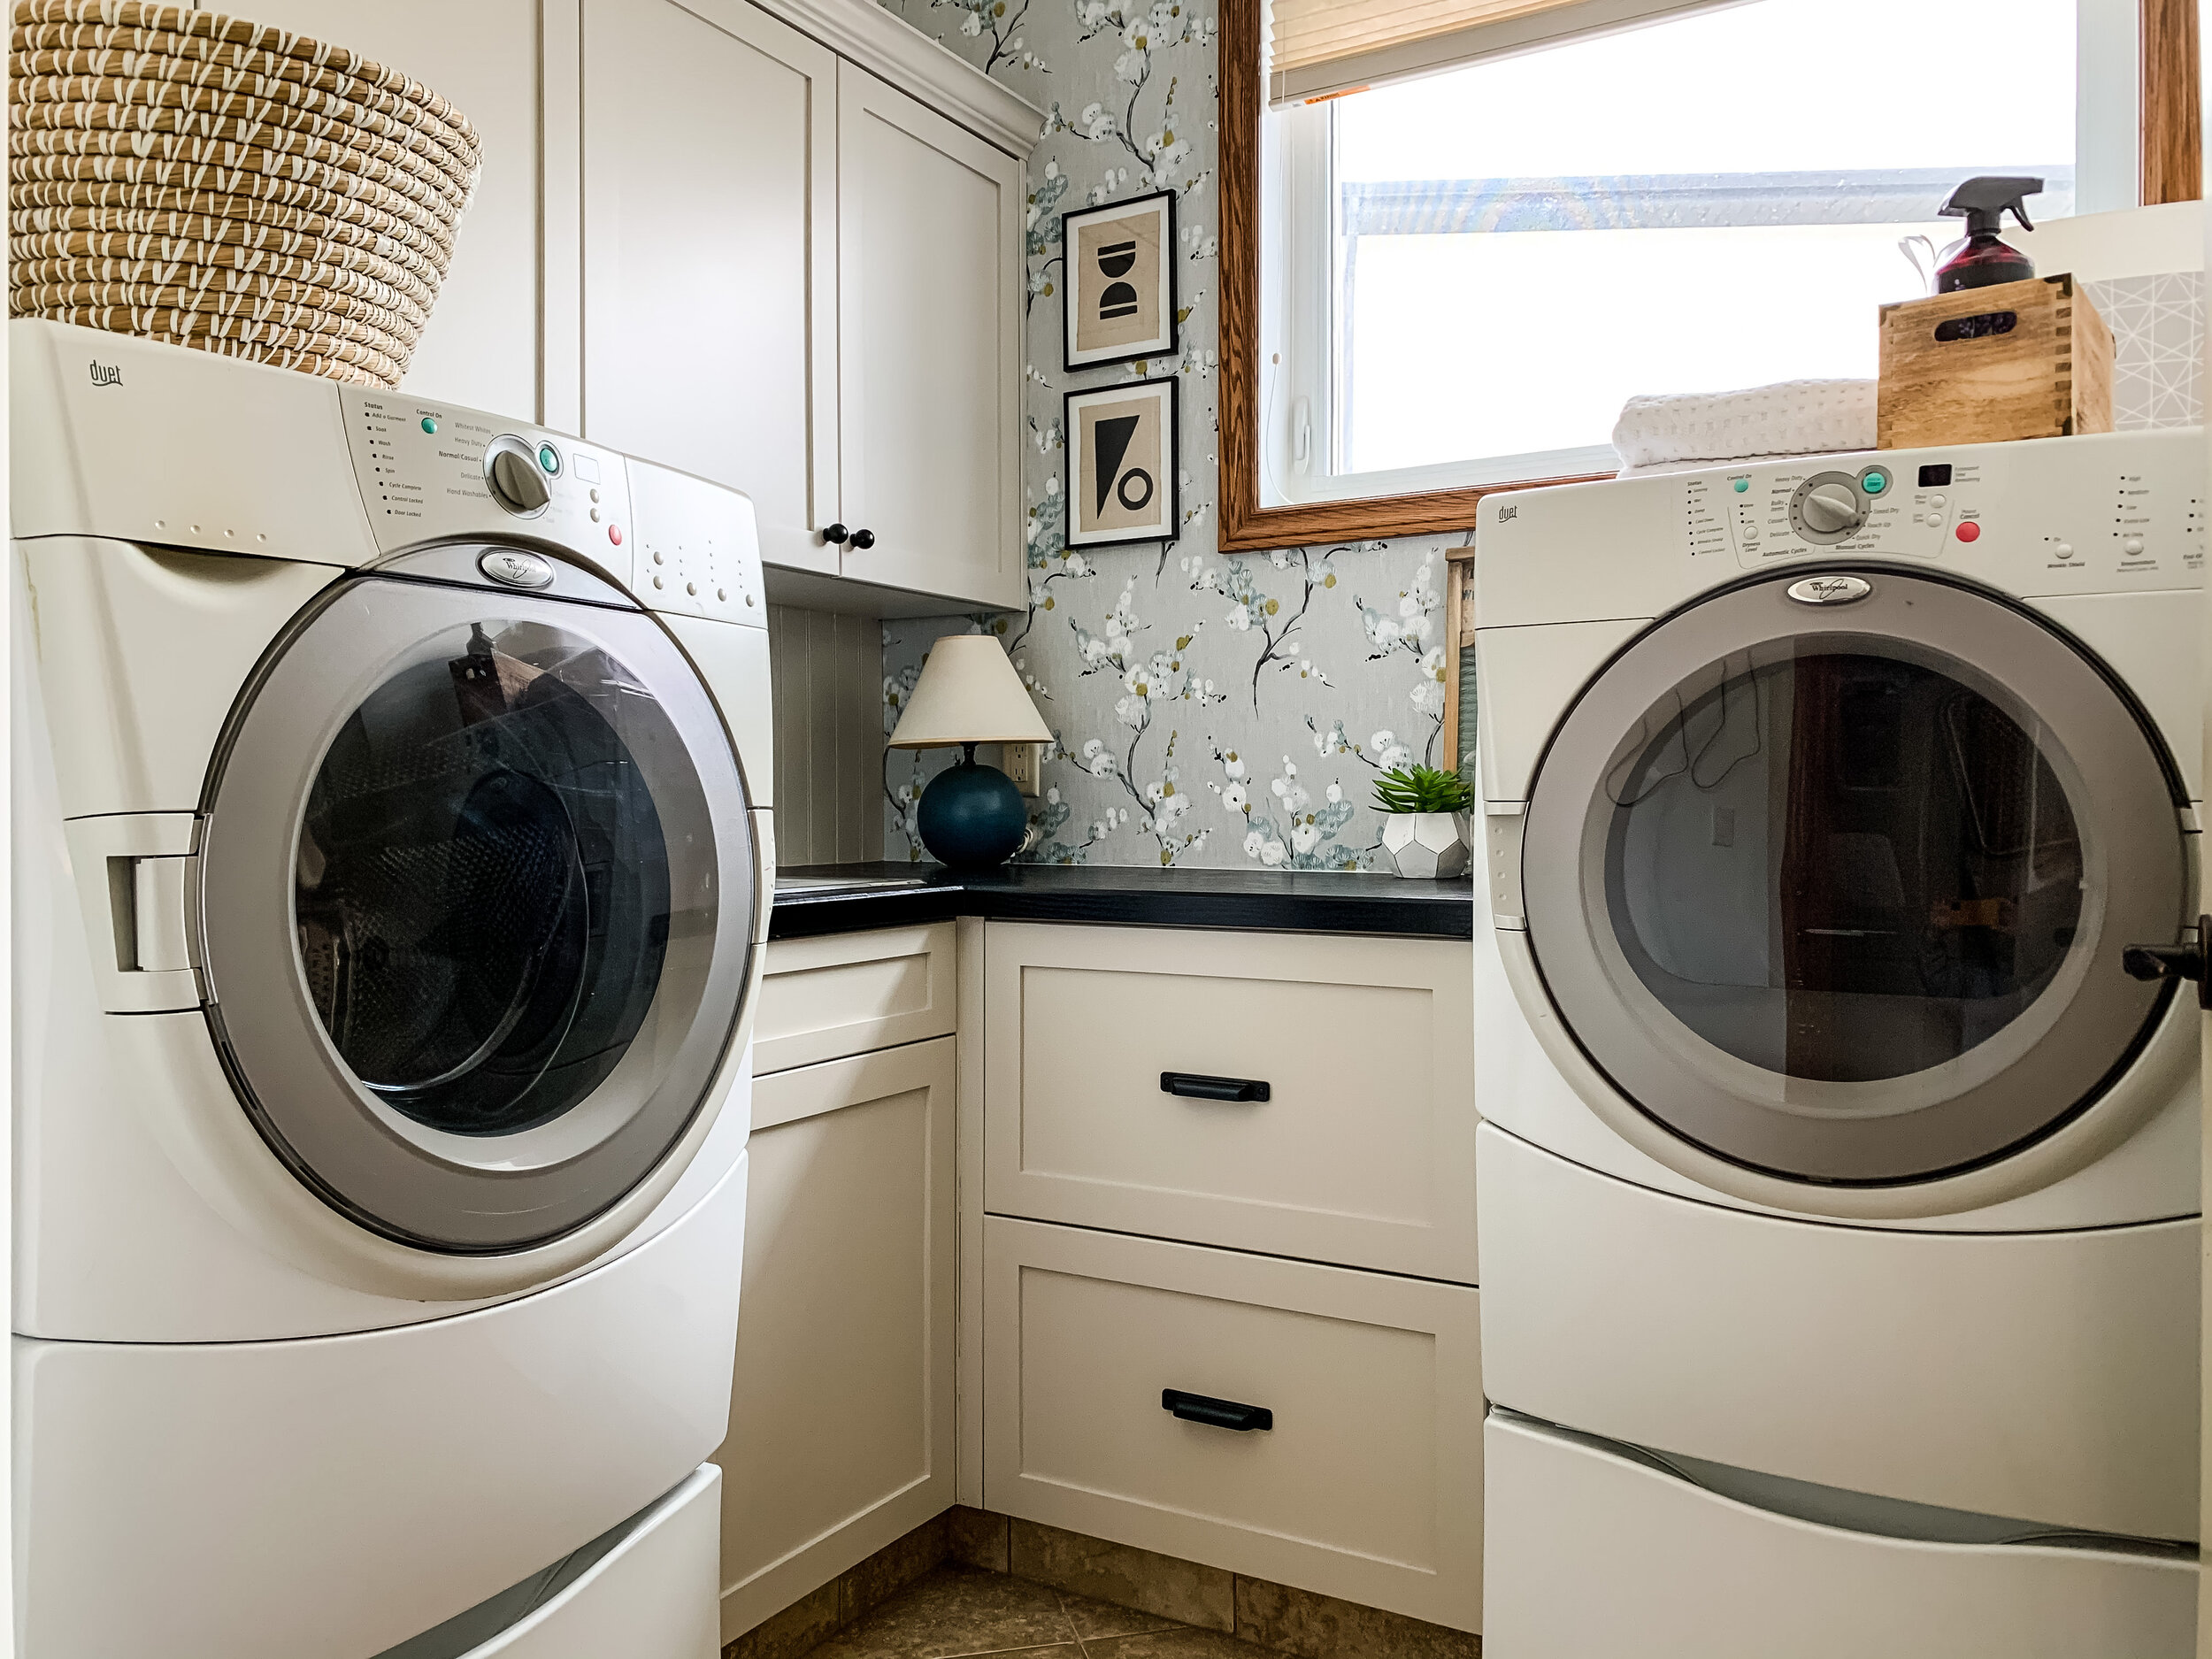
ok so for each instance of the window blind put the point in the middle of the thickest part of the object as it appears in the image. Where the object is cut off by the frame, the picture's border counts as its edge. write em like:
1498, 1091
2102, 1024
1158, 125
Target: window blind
1318, 49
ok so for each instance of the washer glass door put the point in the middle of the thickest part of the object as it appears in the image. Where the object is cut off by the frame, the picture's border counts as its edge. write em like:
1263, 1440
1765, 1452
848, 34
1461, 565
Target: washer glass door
476, 907
1838, 892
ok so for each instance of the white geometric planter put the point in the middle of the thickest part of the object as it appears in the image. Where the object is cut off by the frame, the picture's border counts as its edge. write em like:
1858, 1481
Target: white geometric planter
1426, 846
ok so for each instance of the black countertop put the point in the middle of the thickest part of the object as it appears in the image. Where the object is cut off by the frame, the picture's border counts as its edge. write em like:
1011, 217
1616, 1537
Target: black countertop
1291, 902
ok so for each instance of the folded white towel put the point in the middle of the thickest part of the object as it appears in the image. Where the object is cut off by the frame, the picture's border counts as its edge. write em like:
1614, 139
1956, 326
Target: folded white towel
1793, 417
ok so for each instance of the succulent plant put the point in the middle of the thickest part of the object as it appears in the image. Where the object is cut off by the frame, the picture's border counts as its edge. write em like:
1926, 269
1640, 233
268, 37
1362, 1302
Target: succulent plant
1422, 789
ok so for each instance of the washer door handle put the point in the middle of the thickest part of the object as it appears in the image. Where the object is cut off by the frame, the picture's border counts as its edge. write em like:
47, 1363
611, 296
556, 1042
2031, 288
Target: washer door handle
2184, 961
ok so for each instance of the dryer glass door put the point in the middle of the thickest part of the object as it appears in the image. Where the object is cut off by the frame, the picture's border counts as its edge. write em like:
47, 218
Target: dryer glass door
1838, 891
477, 907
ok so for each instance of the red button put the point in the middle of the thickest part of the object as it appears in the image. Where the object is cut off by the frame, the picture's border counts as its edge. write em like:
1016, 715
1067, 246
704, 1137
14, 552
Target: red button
614, 534
1968, 532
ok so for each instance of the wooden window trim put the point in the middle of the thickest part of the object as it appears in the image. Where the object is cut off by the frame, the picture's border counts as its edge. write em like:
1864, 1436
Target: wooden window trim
2173, 166
2173, 128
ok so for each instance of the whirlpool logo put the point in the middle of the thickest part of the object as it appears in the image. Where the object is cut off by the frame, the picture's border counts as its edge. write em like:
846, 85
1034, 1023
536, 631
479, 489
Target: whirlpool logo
106, 373
1829, 590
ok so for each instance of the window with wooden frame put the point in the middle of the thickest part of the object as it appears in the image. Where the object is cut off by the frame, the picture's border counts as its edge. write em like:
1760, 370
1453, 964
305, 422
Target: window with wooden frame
1445, 284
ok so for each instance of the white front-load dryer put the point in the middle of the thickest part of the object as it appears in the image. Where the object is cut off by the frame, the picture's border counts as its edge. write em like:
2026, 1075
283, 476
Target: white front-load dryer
1837, 1173
392, 862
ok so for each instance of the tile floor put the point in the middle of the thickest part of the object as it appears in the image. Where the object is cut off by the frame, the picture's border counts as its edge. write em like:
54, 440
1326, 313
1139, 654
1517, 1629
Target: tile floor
953, 1612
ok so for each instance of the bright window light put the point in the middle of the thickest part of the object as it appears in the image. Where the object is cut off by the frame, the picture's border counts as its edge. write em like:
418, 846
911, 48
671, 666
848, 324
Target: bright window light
1517, 248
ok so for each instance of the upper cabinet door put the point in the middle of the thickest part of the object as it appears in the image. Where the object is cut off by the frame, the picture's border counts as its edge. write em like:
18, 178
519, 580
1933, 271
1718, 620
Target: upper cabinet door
710, 254
929, 249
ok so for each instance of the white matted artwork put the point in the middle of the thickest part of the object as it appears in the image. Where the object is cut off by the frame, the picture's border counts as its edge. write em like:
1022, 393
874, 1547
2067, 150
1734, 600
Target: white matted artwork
1122, 483
1120, 280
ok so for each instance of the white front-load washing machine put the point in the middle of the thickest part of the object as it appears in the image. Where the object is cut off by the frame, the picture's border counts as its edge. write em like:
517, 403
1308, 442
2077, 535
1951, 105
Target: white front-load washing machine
1839, 1182
392, 866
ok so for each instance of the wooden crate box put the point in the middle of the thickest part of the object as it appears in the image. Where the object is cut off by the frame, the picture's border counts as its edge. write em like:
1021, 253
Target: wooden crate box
2029, 359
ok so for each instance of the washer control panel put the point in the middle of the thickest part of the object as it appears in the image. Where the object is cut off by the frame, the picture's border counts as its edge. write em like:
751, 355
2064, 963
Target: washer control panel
698, 547
433, 472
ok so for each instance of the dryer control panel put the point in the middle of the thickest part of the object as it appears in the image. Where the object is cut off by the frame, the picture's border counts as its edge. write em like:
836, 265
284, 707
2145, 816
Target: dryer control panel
435, 472
2131, 507
2110, 513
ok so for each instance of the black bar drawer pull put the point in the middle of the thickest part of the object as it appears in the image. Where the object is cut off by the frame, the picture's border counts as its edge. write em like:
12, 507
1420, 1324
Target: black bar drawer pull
1221, 1414
1197, 1086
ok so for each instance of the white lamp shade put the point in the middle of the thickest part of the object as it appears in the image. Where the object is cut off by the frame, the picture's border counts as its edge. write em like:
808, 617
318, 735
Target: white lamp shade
969, 693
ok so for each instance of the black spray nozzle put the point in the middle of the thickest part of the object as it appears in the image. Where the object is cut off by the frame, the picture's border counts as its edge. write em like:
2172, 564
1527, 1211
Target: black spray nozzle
1982, 202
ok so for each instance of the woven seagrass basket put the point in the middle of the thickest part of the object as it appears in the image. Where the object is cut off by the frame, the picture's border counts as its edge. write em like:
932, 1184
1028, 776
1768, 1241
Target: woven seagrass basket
198, 178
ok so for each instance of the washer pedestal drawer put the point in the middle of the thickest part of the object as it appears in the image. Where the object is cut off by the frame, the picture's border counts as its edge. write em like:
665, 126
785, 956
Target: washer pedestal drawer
1365, 1482
334, 1496
1591, 1553
650, 1594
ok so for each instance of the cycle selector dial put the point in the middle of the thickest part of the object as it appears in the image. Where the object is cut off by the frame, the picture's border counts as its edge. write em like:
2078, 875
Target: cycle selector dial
516, 478
1827, 508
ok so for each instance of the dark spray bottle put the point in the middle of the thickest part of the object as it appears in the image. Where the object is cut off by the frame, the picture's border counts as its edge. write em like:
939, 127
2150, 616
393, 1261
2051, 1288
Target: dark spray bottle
1979, 260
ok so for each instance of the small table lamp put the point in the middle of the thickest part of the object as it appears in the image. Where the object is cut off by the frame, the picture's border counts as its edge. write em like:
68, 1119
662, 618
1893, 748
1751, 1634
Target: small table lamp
971, 815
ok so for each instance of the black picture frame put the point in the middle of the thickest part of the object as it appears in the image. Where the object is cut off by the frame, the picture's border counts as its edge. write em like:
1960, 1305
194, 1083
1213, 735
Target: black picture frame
1162, 391
1158, 203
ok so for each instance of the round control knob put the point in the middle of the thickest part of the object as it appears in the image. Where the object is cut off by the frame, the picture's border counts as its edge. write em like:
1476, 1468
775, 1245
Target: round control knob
1831, 507
1827, 507
511, 473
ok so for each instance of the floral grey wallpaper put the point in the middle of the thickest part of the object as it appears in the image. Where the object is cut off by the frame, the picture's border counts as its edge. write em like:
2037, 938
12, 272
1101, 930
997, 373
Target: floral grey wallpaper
1232, 710
1208, 710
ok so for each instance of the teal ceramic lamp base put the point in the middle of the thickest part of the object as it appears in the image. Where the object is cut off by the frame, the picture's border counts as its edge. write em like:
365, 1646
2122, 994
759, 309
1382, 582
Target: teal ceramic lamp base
972, 817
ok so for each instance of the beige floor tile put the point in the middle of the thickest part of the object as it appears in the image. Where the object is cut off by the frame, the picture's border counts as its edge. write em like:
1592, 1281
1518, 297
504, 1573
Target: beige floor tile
891, 1569
958, 1611
1177, 1643
799, 1629
1094, 1620
976, 1538
1163, 1585
1313, 1626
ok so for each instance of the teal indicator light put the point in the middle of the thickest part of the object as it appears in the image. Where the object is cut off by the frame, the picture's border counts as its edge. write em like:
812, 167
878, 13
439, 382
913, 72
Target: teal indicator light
1874, 483
549, 457
430, 422
1742, 484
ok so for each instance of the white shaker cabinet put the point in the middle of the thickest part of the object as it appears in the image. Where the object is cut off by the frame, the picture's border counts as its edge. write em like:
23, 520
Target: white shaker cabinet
841, 1404
710, 254
929, 335
806, 284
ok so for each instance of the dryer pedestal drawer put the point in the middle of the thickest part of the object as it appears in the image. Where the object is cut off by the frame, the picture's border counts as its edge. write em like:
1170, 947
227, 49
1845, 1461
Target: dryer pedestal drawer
2050, 1376
1591, 1554
1303, 1096
1309, 1424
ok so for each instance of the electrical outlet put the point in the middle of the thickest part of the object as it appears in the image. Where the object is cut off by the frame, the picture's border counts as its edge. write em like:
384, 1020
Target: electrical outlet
1026, 766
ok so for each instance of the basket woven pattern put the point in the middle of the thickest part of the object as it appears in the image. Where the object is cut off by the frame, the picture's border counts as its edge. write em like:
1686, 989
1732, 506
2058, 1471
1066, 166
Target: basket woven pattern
201, 180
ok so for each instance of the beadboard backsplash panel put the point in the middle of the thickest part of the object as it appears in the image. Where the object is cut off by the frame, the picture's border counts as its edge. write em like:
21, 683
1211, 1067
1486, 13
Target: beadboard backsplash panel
828, 675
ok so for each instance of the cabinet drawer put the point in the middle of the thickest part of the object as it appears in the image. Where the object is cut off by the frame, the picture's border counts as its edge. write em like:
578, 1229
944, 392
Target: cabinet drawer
1362, 1151
821, 999
1369, 1484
